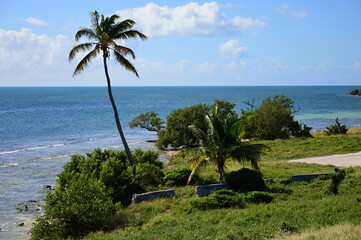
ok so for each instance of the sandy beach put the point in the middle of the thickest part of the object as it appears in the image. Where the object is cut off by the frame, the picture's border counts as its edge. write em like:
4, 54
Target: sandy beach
339, 160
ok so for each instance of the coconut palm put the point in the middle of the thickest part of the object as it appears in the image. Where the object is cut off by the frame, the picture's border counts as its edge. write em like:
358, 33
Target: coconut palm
222, 142
103, 33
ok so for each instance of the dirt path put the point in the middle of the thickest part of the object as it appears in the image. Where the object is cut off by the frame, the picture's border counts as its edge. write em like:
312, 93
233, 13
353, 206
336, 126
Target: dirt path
339, 160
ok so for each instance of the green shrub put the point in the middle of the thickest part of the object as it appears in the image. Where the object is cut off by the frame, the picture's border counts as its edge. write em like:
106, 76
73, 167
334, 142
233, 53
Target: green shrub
110, 167
177, 132
245, 180
258, 197
336, 179
336, 128
178, 177
296, 129
220, 199
148, 156
82, 208
356, 92
149, 175
148, 120
271, 120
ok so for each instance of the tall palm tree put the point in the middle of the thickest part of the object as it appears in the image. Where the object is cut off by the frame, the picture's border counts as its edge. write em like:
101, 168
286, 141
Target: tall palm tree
104, 32
222, 142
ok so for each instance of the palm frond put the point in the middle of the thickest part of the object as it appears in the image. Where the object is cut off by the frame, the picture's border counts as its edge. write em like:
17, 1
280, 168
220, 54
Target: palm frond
245, 152
86, 60
85, 32
123, 50
121, 27
79, 48
197, 132
94, 18
125, 63
129, 34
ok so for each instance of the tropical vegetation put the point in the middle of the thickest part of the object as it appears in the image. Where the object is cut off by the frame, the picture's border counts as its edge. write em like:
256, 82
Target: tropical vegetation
336, 128
149, 121
278, 210
104, 34
356, 92
273, 119
222, 142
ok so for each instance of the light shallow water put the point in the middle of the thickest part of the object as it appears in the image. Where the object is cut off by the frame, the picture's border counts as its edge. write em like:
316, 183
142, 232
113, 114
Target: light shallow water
40, 128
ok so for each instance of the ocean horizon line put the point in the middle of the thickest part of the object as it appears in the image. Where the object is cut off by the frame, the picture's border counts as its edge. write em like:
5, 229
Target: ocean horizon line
146, 86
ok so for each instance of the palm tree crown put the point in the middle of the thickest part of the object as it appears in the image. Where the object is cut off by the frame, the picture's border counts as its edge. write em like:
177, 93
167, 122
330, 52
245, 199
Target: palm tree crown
105, 33
222, 142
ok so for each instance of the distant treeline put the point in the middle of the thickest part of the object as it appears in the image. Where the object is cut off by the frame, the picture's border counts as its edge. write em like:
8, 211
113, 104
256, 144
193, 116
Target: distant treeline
356, 92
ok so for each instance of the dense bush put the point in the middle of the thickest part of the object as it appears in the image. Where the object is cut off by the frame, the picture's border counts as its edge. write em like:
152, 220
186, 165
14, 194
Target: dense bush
336, 128
149, 175
296, 129
148, 156
258, 197
356, 92
177, 132
108, 166
245, 180
274, 119
82, 208
148, 120
336, 179
113, 169
220, 199
178, 177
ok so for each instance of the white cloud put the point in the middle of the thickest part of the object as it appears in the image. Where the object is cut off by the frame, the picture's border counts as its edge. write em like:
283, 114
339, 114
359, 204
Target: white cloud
24, 49
28, 59
286, 10
189, 19
232, 48
35, 21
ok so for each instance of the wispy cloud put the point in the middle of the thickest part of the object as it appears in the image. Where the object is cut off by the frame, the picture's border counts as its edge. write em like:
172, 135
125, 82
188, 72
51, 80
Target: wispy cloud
189, 19
285, 9
35, 21
232, 48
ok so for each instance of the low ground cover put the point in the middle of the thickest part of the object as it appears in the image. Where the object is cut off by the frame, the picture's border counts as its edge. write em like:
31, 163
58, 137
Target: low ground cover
298, 211
296, 208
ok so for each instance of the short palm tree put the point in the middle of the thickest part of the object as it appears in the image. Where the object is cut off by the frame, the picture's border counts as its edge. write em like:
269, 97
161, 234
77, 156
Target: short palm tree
104, 33
222, 142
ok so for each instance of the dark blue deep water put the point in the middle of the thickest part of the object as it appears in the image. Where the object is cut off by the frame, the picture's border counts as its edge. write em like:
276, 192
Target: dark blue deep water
41, 127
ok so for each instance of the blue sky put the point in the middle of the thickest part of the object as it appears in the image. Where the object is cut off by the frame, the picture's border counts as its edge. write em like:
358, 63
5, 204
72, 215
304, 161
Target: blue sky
191, 43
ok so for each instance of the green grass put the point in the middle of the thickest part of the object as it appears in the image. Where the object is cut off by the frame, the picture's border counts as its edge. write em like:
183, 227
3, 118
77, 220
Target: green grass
299, 210
307, 207
320, 145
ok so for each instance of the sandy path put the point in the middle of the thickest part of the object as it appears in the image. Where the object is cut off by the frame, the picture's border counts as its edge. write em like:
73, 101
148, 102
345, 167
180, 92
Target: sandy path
339, 160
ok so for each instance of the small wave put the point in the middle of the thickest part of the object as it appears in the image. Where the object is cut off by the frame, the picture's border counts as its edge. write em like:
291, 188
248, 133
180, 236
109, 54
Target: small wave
31, 148
137, 142
9, 165
55, 157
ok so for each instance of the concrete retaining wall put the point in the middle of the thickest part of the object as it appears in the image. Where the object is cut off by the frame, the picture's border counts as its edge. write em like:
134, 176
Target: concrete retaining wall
306, 177
205, 190
149, 196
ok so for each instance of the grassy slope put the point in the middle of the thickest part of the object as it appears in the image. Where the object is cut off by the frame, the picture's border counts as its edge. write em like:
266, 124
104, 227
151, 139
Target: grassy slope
307, 210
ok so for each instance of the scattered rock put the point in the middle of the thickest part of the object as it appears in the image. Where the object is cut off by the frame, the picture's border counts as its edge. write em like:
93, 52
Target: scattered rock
48, 187
269, 180
28, 206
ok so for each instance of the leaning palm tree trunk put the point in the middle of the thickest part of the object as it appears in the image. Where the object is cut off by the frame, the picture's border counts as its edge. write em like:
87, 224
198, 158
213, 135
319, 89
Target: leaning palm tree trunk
116, 116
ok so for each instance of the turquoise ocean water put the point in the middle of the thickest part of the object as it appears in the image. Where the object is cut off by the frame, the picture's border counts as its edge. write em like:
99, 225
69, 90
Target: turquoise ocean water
41, 127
